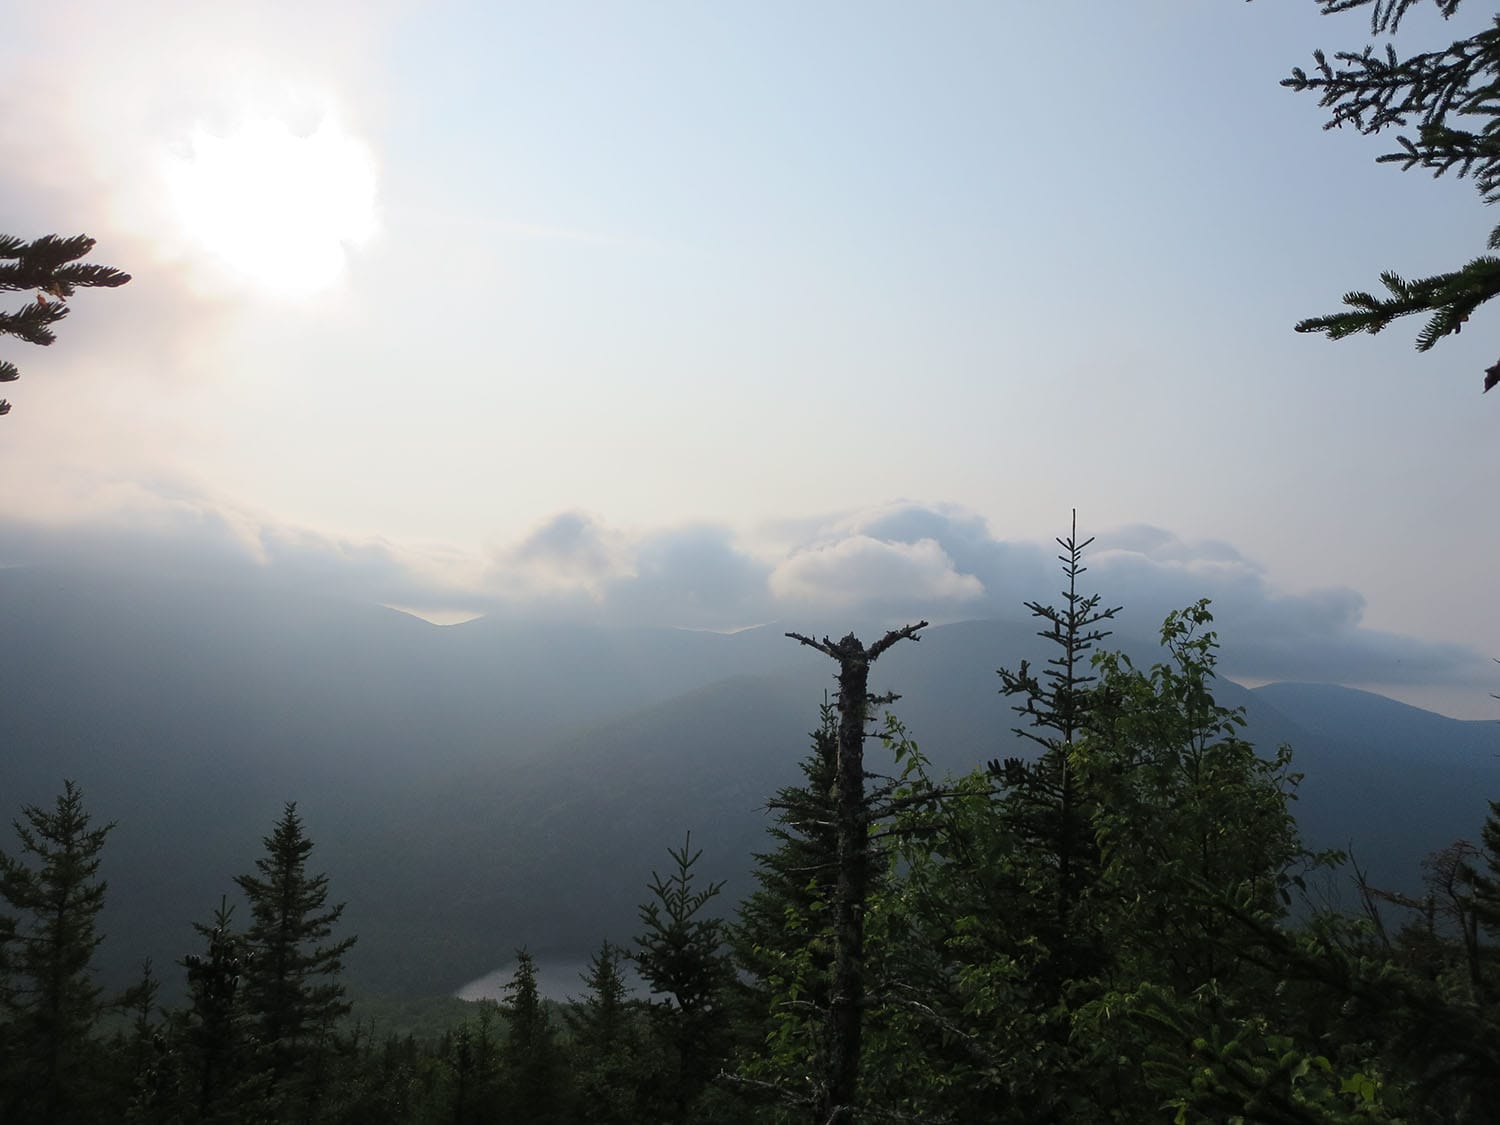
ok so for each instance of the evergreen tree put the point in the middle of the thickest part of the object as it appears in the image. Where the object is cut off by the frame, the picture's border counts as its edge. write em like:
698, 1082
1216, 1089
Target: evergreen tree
50, 266
1452, 96
782, 939
1002, 1007
1482, 887
681, 956
140, 1055
476, 1087
530, 1053
52, 1004
1048, 807
291, 983
853, 809
216, 1038
610, 1069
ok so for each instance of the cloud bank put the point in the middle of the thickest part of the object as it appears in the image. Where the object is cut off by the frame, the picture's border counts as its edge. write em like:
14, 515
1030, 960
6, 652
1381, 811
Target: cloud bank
896, 563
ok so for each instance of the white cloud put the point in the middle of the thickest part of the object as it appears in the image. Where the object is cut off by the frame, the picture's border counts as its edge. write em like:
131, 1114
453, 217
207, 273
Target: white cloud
572, 550
863, 573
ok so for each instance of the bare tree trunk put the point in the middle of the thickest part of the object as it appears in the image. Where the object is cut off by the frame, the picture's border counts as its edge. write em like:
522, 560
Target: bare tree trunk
852, 848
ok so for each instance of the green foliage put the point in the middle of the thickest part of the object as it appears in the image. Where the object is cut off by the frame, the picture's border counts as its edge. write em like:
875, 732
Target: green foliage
1452, 96
1186, 811
50, 266
1038, 997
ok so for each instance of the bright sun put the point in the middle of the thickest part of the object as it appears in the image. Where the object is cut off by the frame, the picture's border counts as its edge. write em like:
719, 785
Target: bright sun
276, 209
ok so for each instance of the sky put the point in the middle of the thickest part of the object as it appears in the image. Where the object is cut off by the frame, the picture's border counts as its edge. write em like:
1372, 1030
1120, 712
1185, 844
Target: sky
712, 314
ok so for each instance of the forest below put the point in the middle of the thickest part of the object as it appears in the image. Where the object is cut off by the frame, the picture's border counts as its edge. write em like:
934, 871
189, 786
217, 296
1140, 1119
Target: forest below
1121, 922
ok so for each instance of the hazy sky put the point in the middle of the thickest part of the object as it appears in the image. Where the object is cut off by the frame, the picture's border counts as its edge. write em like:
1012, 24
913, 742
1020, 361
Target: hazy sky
703, 312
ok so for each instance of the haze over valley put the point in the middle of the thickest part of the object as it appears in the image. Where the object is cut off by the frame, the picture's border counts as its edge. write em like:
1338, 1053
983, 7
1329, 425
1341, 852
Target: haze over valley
480, 787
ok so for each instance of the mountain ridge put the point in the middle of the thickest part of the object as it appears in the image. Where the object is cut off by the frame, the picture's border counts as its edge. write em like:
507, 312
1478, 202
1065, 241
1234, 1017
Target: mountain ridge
475, 787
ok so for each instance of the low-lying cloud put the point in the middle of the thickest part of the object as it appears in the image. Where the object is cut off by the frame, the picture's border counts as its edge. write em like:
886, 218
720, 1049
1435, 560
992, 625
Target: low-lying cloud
865, 574
891, 564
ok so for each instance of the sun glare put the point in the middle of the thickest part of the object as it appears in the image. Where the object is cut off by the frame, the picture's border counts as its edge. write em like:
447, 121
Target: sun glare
272, 208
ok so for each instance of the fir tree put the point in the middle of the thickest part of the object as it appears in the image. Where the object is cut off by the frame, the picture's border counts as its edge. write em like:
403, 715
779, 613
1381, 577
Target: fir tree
681, 956
52, 1005
1481, 881
50, 267
291, 984
602, 1018
1452, 97
782, 939
609, 1070
476, 1092
530, 1053
142, 1051
215, 1041
1049, 809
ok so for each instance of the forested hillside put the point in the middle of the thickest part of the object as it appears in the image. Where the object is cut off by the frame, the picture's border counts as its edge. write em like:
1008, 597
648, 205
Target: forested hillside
484, 786
1119, 921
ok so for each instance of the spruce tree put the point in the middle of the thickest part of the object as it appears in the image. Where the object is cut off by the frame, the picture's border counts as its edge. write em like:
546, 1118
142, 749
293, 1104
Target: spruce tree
782, 938
1050, 811
1481, 881
140, 1053
609, 1070
1452, 97
214, 1044
476, 1089
530, 1054
292, 990
682, 958
50, 267
52, 1004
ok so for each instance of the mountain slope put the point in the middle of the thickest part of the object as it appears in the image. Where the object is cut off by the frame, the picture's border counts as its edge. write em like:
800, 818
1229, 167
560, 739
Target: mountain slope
483, 786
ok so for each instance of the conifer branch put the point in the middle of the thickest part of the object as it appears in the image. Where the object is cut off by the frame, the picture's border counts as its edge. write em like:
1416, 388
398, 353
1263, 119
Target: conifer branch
1451, 98
49, 266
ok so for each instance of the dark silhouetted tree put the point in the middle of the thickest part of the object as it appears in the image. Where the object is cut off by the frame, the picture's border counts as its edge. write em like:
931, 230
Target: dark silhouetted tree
217, 1039
471, 1057
1050, 810
1452, 99
49, 266
291, 986
1481, 880
52, 1003
530, 1054
681, 956
782, 938
607, 1060
839, 1087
